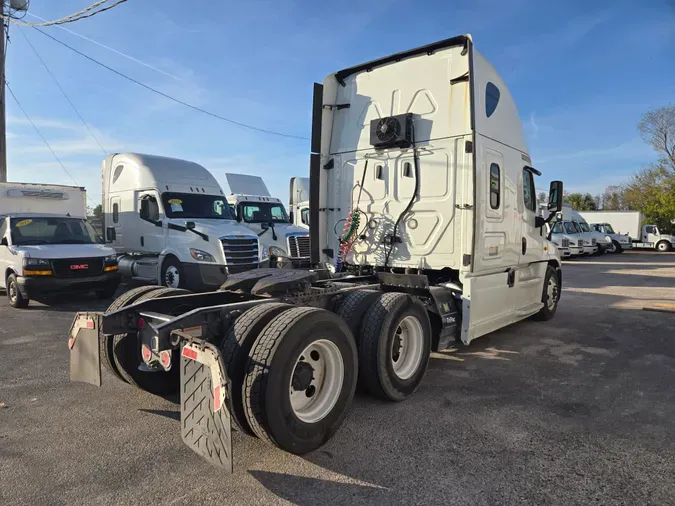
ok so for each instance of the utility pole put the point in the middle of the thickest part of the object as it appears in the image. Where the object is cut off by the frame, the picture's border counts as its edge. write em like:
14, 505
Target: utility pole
3, 133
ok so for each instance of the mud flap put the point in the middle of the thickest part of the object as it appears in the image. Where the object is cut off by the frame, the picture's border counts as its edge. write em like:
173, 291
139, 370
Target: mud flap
204, 415
84, 343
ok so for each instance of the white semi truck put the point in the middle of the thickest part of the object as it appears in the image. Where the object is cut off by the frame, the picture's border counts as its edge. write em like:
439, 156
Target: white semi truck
169, 222
420, 164
252, 205
299, 201
47, 247
643, 235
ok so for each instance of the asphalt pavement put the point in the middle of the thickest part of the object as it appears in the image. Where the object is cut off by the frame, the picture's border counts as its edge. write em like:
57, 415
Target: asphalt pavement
578, 410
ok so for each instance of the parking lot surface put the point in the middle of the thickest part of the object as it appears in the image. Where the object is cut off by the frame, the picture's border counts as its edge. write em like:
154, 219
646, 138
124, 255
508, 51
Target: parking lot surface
578, 410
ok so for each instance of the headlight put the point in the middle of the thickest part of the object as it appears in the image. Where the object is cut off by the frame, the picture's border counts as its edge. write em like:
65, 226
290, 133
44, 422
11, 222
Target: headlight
608, 239
264, 254
35, 262
277, 252
201, 256
111, 260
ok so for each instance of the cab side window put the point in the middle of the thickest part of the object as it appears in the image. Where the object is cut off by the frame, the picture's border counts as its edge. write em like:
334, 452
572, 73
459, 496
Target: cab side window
557, 228
651, 229
3, 228
529, 197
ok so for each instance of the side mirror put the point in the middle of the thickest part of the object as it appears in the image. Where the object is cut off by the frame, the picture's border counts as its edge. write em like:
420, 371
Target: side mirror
539, 222
265, 226
110, 234
558, 216
290, 217
190, 225
4, 242
555, 196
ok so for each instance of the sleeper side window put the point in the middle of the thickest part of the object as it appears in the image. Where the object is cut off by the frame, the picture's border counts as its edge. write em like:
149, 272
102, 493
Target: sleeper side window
491, 99
495, 186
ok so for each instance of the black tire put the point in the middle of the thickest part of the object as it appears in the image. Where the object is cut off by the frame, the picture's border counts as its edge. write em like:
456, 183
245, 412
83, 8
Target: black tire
617, 247
353, 308
16, 300
271, 366
547, 312
127, 356
167, 278
236, 346
126, 299
377, 346
663, 246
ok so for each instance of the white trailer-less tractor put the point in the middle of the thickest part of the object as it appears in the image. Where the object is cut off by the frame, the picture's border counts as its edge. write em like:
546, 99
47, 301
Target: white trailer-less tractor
424, 233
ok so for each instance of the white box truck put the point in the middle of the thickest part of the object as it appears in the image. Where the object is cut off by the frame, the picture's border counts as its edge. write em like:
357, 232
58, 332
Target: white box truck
47, 247
299, 201
643, 235
252, 205
169, 221
420, 159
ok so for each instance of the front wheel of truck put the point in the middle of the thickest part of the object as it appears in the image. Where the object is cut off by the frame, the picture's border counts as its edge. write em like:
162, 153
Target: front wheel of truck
301, 379
16, 300
550, 296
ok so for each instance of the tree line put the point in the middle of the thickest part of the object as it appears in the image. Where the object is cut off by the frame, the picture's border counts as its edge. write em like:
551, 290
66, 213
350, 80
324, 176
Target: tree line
652, 189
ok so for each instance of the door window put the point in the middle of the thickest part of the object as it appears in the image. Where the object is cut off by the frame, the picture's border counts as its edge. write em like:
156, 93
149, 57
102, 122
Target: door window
3, 228
557, 228
529, 197
149, 209
651, 229
304, 216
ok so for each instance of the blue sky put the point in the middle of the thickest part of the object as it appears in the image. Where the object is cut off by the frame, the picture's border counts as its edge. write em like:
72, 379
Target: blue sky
582, 73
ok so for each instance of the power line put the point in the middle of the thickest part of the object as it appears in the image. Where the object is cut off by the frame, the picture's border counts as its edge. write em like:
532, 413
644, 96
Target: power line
141, 62
64, 93
186, 104
43, 139
76, 16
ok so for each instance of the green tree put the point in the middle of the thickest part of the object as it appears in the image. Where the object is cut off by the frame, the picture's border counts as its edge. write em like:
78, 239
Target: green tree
581, 201
612, 199
652, 191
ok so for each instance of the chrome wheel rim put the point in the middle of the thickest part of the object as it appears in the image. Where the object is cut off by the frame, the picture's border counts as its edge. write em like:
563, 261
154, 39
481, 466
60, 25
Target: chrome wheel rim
12, 292
172, 277
407, 347
551, 293
316, 381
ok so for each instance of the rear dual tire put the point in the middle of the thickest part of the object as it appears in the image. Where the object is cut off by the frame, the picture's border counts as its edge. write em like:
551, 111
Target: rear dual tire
300, 379
125, 352
394, 346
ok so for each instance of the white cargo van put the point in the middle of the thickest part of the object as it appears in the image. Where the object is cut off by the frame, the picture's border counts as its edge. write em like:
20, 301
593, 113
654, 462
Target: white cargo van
567, 232
169, 221
299, 201
47, 247
252, 205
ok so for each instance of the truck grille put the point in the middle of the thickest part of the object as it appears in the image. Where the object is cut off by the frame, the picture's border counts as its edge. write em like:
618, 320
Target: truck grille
298, 246
565, 242
241, 252
77, 267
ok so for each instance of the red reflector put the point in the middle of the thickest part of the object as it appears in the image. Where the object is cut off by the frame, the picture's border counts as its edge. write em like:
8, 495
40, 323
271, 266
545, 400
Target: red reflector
90, 324
216, 398
189, 353
145, 351
140, 323
165, 358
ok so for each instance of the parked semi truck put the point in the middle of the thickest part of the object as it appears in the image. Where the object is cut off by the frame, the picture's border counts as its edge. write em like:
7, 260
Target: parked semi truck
419, 163
299, 201
643, 235
47, 247
169, 222
252, 205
